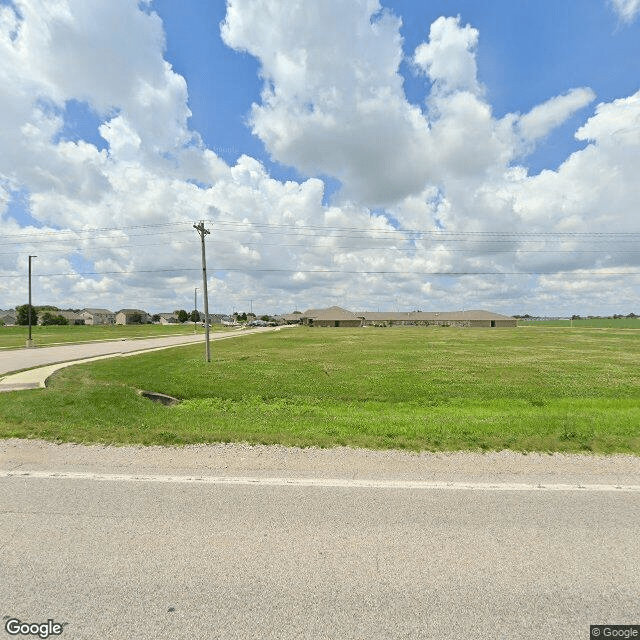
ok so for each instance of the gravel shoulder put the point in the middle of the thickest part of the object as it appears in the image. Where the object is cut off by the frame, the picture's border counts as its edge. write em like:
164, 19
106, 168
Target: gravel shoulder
260, 461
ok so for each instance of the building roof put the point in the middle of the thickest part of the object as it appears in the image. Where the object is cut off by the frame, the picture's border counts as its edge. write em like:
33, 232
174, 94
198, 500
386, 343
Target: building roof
130, 311
69, 315
94, 311
332, 313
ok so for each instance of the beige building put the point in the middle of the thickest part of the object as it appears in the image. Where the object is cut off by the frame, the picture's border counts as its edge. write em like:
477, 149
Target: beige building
339, 317
473, 318
98, 316
331, 317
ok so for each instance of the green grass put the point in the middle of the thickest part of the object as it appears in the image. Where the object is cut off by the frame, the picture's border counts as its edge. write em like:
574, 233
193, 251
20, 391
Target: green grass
409, 388
15, 337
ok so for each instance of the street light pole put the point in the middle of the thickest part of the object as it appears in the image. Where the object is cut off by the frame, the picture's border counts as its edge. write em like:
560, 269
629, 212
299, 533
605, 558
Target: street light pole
30, 341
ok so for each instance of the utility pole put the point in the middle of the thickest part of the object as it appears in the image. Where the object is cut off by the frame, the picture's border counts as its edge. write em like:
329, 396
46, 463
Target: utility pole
195, 307
30, 341
203, 232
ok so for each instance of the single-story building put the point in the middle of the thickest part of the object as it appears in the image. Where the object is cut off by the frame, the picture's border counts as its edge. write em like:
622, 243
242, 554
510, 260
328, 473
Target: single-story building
331, 317
472, 318
289, 318
98, 316
339, 317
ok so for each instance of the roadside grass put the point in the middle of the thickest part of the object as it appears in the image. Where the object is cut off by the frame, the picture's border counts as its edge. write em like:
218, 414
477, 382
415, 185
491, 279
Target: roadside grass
15, 336
406, 388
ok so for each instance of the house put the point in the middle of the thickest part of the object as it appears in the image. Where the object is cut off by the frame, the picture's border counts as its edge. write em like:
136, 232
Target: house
98, 316
132, 316
289, 318
168, 318
70, 316
8, 317
331, 317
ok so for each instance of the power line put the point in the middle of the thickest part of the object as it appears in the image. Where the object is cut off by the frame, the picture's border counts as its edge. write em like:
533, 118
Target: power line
295, 229
576, 272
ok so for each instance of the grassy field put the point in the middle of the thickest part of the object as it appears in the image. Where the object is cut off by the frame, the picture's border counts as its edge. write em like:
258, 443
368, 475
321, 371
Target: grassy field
14, 337
410, 388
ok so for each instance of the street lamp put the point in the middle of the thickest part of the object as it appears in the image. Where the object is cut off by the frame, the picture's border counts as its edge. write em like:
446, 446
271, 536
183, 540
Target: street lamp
30, 341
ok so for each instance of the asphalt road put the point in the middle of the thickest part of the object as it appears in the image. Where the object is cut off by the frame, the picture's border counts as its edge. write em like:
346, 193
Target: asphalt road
216, 556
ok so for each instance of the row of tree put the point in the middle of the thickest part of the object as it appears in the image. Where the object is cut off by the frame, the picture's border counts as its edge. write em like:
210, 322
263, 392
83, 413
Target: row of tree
615, 316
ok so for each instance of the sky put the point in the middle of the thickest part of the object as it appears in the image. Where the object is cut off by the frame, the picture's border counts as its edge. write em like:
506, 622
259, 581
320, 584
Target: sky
430, 155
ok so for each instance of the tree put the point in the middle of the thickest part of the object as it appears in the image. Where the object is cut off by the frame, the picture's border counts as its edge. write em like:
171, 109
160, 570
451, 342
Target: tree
182, 315
194, 316
49, 318
155, 317
135, 318
22, 315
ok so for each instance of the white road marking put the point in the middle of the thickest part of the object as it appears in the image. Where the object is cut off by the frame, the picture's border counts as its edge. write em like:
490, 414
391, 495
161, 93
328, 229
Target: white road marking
337, 483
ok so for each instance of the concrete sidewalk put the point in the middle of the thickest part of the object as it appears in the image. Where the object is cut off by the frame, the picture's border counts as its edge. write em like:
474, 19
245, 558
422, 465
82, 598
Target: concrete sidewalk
47, 360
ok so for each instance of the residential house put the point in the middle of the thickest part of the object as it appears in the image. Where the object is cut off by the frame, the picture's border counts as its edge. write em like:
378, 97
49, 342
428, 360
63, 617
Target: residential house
8, 317
168, 318
70, 316
98, 316
132, 316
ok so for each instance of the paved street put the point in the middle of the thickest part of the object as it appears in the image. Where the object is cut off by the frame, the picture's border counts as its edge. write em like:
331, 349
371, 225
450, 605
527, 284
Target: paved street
17, 359
20, 361
211, 555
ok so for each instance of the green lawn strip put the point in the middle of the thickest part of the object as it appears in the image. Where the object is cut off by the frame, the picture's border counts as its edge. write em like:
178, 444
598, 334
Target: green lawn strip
418, 389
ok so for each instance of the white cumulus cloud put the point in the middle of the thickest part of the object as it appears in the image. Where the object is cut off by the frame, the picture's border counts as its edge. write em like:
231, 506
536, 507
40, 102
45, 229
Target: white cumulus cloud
426, 188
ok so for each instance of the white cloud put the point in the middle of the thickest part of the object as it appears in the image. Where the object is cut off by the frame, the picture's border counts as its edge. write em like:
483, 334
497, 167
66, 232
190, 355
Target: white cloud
332, 103
448, 58
552, 113
627, 10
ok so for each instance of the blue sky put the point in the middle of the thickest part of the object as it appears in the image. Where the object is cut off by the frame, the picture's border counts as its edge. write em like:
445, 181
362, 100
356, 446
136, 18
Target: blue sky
503, 131
526, 55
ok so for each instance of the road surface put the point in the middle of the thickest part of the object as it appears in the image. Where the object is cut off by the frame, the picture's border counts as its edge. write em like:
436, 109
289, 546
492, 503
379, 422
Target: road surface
232, 541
